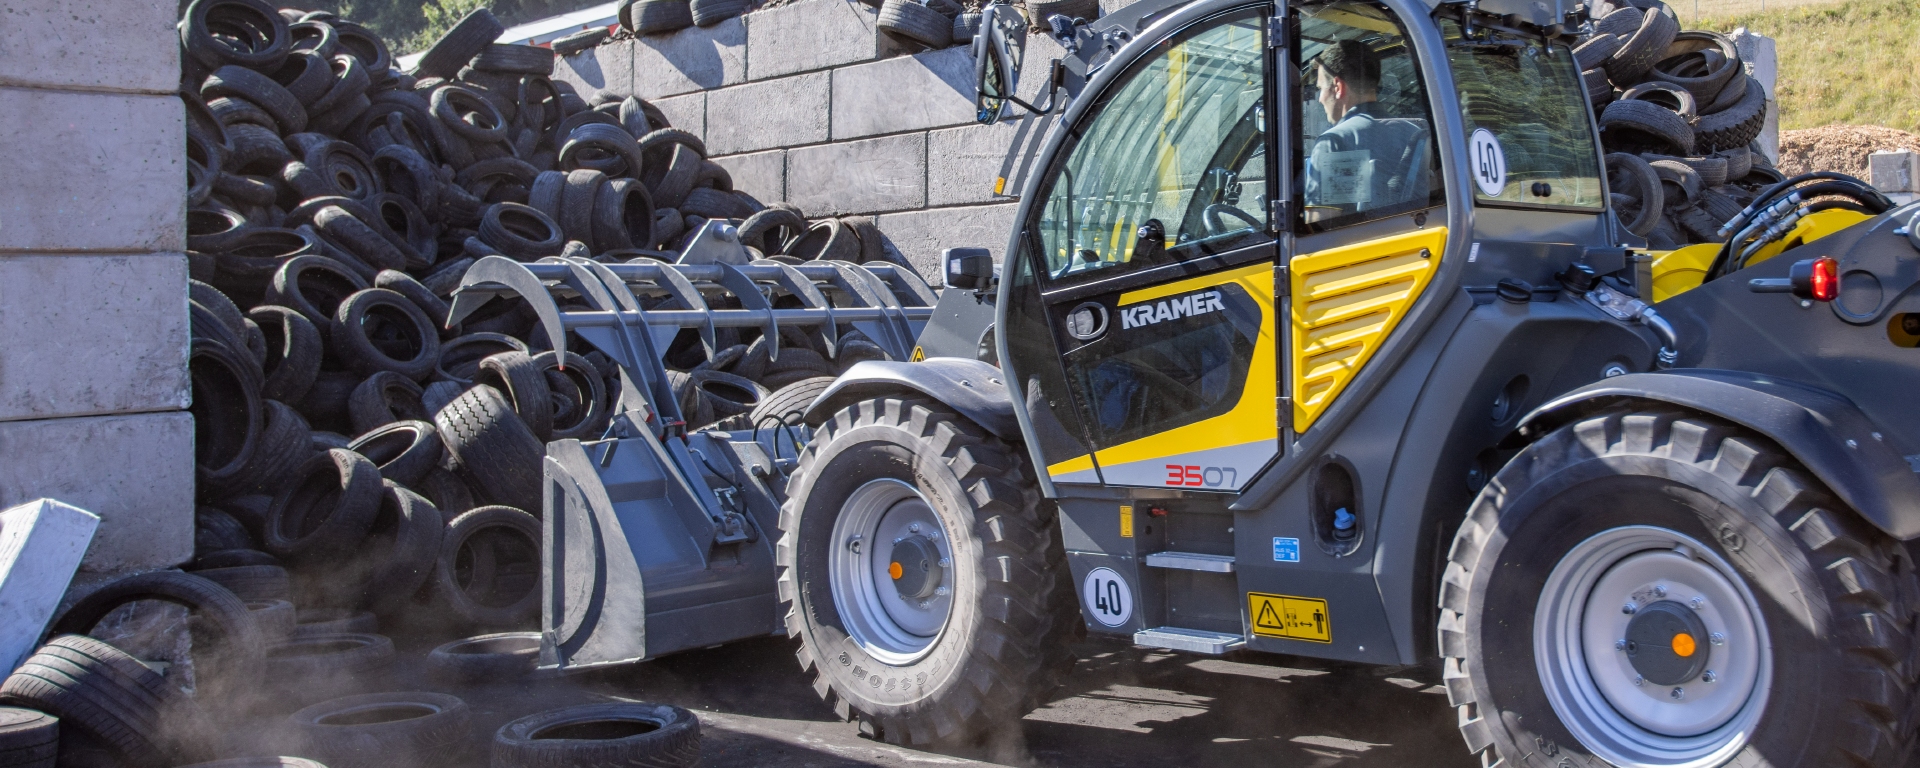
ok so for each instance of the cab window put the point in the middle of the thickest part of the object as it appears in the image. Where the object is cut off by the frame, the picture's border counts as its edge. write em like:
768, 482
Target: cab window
1368, 140
1528, 96
1177, 147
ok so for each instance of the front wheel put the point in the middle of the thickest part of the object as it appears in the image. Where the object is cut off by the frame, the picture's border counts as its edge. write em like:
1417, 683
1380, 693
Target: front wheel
1659, 589
923, 575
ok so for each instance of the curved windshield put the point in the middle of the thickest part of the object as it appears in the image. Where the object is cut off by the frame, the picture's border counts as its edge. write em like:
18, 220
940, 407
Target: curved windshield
1172, 164
1528, 96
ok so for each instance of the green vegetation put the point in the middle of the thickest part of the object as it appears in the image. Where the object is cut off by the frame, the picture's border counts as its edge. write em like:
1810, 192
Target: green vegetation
1852, 62
409, 26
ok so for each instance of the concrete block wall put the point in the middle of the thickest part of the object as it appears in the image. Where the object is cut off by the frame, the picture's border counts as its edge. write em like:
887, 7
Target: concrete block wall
93, 275
808, 103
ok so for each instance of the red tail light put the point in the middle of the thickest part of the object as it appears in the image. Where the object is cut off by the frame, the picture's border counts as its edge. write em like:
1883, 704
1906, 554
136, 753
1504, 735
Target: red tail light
1826, 279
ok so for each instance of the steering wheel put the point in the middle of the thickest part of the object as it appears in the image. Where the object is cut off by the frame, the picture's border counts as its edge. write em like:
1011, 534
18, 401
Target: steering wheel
1211, 218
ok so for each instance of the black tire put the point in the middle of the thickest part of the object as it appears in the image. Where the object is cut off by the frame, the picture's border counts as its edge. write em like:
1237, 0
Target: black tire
384, 398
407, 224
707, 13
259, 762
285, 441
714, 204
405, 451
289, 115
325, 405
788, 404
1622, 22
1739, 162
227, 411
313, 666
1718, 207
358, 237
677, 180
1833, 595
447, 492
519, 59
1636, 178
379, 730
1730, 94
544, 194
250, 582
294, 352
422, 297
522, 232
460, 357
486, 658
306, 75
1634, 123
625, 733
616, 152
1681, 185
489, 569
965, 26
770, 229
1737, 125
212, 227
231, 558
1704, 76
471, 35
581, 42
827, 239
275, 618
314, 286
264, 47
622, 215
1040, 10
1004, 647
468, 114
325, 509
1640, 50
380, 330
214, 530
576, 205
218, 303
28, 738
334, 621
1595, 51
405, 172
915, 22
729, 394
515, 375
654, 17
403, 547
232, 662
496, 453
579, 395
102, 697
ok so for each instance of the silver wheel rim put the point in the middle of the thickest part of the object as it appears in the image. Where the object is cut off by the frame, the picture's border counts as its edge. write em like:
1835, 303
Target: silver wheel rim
877, 518
1580, 626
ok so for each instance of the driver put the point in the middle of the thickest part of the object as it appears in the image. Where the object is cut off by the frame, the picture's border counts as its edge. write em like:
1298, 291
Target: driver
1354, 165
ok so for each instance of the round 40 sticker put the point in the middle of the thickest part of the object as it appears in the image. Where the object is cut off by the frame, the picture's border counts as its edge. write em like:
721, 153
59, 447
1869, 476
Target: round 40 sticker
1108, 598
1488, 163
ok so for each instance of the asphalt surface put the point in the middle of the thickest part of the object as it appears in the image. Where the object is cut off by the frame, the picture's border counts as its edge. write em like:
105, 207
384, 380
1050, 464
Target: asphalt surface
1123, 706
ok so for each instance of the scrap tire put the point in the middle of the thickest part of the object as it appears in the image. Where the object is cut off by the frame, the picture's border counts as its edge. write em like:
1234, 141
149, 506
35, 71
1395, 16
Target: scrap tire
100, 695
1737, 125
480, 599
28, 738
1833, 595
235, 662
787, 404
1639, 51
1003, 645
430, 729
486, 658
707, 13
348, 482
1627, 171
472, 35
1649, 120
495, 451
672, 742
653, 17
911, 20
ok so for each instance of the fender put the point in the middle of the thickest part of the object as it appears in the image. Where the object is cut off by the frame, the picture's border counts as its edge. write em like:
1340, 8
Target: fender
973, 388
1824, 431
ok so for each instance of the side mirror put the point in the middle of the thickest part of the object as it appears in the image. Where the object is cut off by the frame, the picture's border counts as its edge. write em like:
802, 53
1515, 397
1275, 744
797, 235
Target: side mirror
970, 268
998, 50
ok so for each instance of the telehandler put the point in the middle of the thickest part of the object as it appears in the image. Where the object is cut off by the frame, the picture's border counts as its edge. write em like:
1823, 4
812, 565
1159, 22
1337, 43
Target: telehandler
1317, 334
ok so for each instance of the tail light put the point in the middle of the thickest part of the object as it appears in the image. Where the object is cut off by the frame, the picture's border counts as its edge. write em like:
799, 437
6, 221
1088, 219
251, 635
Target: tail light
1816, 279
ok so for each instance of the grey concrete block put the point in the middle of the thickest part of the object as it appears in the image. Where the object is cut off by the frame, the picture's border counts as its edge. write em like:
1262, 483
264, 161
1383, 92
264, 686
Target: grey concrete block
1763, 64
982, 163
886, 174
690, 60
41, 543
687, 113
92, 334
769, 114
607, 67
761, 174
92, 171
928, 90
922, 235
813, 34
112, 45
1895, 171
134, 471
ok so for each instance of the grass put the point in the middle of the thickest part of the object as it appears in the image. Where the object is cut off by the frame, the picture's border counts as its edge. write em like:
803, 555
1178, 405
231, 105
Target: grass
1852, 62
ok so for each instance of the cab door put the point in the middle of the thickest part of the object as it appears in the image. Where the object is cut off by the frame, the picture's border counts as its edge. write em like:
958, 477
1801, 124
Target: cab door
1141, 309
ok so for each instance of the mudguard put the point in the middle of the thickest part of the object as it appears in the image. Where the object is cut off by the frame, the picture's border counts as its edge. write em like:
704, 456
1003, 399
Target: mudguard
971, 387
1824, 431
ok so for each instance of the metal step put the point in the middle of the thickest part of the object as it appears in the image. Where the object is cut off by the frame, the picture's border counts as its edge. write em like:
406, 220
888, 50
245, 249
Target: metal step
1190, 640
1191, 561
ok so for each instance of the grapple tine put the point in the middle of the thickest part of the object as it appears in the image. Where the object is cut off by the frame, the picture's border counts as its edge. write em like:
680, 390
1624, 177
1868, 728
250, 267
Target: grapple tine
750, 297
475, 290
682, 290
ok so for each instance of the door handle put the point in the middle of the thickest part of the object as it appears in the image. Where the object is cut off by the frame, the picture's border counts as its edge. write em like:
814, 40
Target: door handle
1149, 240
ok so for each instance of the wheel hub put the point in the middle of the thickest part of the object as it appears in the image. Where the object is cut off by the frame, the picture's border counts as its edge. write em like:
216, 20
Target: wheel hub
915, 567
1667, 644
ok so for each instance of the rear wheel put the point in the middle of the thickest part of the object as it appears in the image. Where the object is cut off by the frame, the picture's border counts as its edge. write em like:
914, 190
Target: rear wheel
1659, 589
923, 574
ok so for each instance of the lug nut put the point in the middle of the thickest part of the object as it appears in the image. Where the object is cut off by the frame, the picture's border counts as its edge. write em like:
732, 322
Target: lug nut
1659, 590
1709, 676
853, 544
913, 527
1639, 680
1629, 608
1717, 638
1620, 645
1678, 693
1697, 602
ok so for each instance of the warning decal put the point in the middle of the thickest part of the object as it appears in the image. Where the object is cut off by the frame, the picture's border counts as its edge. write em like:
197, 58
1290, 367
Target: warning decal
918, 355
1294, 618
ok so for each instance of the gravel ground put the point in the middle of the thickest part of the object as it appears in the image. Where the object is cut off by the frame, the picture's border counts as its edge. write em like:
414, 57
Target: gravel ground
1123, 707
1842, 148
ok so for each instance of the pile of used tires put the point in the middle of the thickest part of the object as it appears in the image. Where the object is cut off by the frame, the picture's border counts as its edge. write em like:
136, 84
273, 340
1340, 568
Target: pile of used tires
361, 463
1678, 116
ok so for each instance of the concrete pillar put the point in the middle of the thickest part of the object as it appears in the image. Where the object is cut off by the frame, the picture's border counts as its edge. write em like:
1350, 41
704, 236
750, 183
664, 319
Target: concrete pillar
93, 274
1762, 65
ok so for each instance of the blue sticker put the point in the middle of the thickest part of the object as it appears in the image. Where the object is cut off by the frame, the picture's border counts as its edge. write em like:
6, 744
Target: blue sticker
1286, 550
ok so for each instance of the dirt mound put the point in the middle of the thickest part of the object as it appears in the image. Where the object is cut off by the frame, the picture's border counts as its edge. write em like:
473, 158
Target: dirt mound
1842, 148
